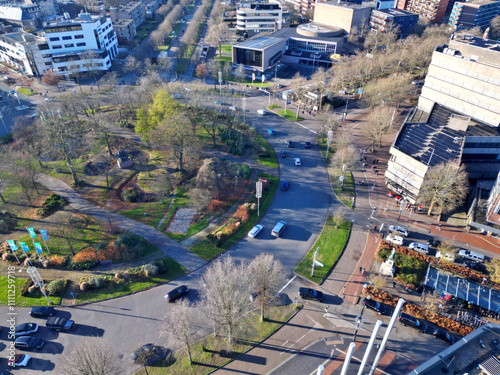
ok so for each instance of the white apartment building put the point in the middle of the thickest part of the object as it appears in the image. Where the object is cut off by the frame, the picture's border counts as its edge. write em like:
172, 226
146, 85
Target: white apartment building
82, 44
25, 52
259, 18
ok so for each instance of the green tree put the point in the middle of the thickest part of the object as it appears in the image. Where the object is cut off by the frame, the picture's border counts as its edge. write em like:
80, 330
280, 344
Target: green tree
164, 106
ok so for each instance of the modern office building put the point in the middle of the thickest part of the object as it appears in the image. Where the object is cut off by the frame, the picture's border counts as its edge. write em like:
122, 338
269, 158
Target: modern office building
466, 15
128, 11
432, 10
254, 18
258, 54
24, 16
25, 51
385, 20
342, 14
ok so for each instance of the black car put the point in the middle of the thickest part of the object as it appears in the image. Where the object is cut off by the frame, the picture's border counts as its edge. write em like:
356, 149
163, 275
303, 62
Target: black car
289, 144
55, 323
176, 293
307, 293
374, 305
443, 335
29, 342
284, 185
308, 145
283, 153
42, 311
26, 329
476, 266
433, 242
409, 320
149, 354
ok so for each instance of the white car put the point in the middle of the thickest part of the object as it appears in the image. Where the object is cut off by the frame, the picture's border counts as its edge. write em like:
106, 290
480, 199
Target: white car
399, 230
446, 256
396, 240
297, 162
421, 248
233, 108
255, 231
20, 360
261, 112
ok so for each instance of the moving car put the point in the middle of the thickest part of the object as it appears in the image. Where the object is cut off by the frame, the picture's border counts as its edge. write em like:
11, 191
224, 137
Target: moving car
297, 162
283, 153
25, 329
308, 145
177, 96
409, 320
289, 143
284, 185
255, 231
307, 293
29, 342
396, 240
443, 335
446, 256
20, 360
42, 311
420, 247
261, 112
176, 293
399, 230
271, 131
59, 324
374, 305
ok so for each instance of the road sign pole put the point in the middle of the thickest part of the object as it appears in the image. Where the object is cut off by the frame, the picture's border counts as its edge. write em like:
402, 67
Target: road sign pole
258, 195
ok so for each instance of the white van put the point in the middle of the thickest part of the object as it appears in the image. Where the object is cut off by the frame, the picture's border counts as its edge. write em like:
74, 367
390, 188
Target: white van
278, 228
396, 240
467, 254
420, 247
446, 256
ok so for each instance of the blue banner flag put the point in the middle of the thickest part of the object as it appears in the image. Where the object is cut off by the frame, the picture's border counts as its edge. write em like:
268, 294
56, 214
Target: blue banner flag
44, 234
32, 233
38, 247
24, 247
12, 245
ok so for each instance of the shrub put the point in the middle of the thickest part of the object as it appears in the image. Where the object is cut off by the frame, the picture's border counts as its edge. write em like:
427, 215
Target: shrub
246, 170
56, 287
86, 255
101, 245
26, 286
111, 251
8, 222
130, 195
51, 205
84, 286
118, 276
242, 213
8, 257
150, 269
57, 260
81, 265
31, 289
128, 239
134, 252
45, 263
161, 266
126, 275
96, 282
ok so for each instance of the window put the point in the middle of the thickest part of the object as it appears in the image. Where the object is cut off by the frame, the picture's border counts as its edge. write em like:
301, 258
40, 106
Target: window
57, 47
69, 45
81, 44
48, 63
78, 36
42, 47
66, 37
55, 39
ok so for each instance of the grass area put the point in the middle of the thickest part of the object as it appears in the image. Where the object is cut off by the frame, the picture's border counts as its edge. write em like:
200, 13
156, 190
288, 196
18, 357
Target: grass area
144, 29
226, 59
26, 91
256, 83
345, 192
193, 229
174, 270
206, 250
227, 48
289, 115
149, 213
36, 299
331, 244
216, 351
269, 158
409, 270
273, 106
163, 48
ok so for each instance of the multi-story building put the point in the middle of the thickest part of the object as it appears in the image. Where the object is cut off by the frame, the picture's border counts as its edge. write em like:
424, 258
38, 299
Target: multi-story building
150, 8
342, 14
83, 44
385, 20
432, 10
125, 31
128, 11
25, 16
254, 18
385, 4
466, 15
25, 52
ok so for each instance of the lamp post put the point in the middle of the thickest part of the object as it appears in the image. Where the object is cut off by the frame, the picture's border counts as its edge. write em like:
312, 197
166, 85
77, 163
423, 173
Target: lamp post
359, 322
402, 204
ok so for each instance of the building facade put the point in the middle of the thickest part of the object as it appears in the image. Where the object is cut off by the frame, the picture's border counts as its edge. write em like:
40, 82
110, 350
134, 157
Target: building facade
125, 31
432, 10
466, 15
258, 54
385, 20
254, 18
385, 4
344, 15
128, 11
26, 52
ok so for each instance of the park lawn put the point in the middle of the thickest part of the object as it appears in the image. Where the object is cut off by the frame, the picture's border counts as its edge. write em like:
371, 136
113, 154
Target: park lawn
26, 91
344, 193
225, 59
256, 83
227, 48
37, 299
270, 159
193, 229
206, 250
175, 270
144, 29
149, 213
331, 243
216, 350
289, 115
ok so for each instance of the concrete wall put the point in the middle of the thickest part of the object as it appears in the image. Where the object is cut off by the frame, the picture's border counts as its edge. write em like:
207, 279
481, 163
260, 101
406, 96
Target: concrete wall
341, 16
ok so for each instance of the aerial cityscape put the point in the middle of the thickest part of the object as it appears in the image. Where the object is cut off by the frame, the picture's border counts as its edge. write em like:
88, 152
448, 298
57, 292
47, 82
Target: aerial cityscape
250, 187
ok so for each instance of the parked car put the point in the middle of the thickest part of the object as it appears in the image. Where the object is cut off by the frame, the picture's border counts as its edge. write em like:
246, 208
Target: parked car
278, 228
396, 240
307, 293
297, 162
42, 311
446, 256
284, 185
261, 112
283, 153
59, 324
25, 329
471, 255
374, 305
20, 360
176, 293
409, 320
433, 242
443, 335
271, 131
473, 265
308, 145
289, 143
255, 231
29, 342
399, 230
420, 247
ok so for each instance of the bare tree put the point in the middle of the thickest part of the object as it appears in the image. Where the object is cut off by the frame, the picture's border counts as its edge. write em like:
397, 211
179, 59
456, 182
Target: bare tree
378, 124
29, 139
445, 185
493, 268
180, 324
338, 217
198, 198
267, 277
447, 246
225, 294
217, 35
495, 28
92, 355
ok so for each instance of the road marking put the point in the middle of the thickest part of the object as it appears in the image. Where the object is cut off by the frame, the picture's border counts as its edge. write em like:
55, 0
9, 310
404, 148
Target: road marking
284, 343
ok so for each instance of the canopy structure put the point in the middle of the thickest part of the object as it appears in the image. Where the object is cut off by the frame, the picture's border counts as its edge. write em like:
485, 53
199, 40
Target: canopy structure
461, 288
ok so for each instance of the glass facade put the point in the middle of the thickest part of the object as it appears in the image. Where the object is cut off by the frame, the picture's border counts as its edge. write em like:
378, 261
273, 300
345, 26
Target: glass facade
249, 57
310, 46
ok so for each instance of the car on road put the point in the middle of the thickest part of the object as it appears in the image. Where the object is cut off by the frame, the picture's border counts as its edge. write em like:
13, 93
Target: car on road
374, 305
443, 335
278, 228
446, 256
29, 342
25, 329
271, 131
176, 293
396, 240
283, 153
476, 266
20, 360
284, 185
150, 353
261, 112
409, 320
255, 231
50, 99
471, 255
42, 311
308, 145
289, 143
297, 162
399, 230
420, 247
308, 293
433, 242
55, 323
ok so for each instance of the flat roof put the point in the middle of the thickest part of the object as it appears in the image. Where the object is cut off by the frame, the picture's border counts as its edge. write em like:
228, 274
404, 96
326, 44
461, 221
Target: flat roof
259, 43
291, 32
396, 12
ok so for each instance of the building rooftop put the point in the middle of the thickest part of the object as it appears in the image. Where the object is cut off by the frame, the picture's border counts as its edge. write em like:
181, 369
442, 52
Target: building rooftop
259, 43
395, 12
292, 32
475, 41
478, 3
345, 4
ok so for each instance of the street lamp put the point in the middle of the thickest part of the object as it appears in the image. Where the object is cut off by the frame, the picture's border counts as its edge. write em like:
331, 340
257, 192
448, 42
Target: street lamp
359, 322
402, 204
